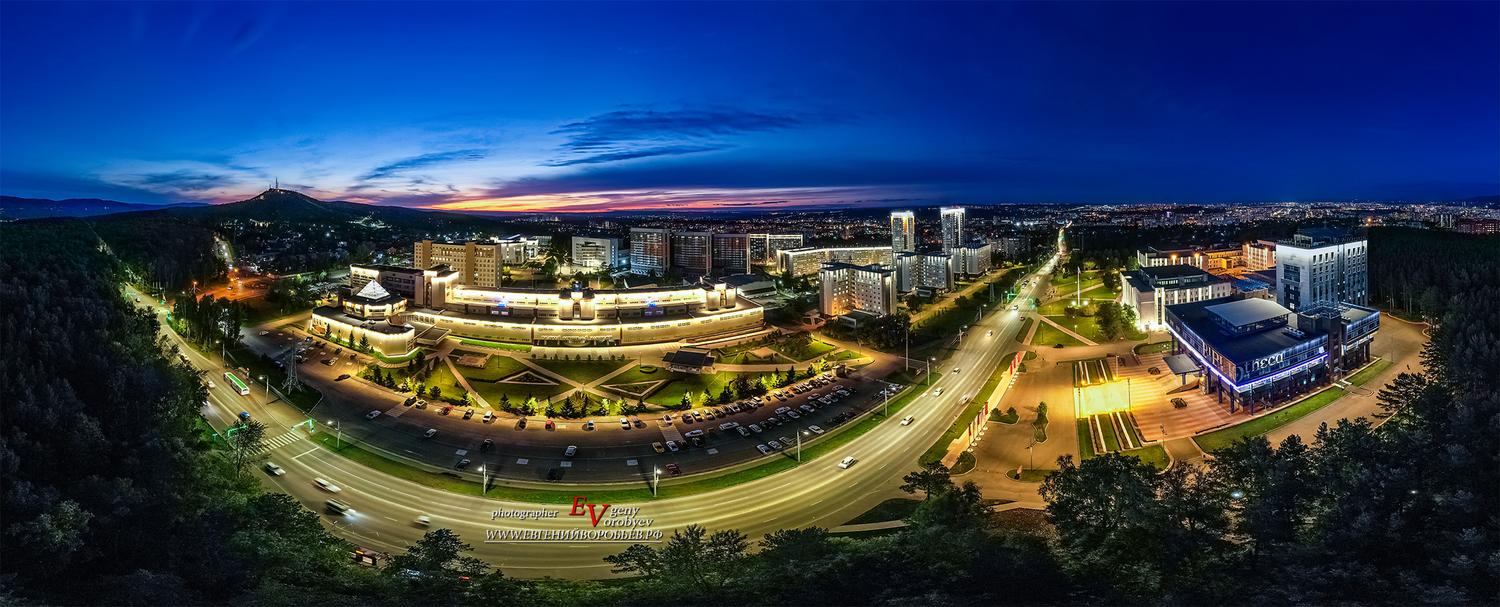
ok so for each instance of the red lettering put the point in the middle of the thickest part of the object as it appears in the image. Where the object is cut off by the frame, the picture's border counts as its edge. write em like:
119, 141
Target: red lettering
578, 502
595, 519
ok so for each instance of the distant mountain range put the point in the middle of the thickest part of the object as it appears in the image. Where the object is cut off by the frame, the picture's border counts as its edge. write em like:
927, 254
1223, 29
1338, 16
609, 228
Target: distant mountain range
14, 207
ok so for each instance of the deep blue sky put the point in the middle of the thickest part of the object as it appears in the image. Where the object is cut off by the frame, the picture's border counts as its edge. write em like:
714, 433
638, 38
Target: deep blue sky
589, 106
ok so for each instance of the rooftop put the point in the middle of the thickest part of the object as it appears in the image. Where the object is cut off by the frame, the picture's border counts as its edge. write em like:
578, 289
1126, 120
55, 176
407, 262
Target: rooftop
1175, 271
1243, 312
1197, 317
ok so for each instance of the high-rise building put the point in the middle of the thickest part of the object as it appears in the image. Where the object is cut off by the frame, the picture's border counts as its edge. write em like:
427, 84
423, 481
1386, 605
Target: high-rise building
650, 251
972, 259
731, 254
903, 231
518, 249
1321, 267
692, 254
596, 253
477, 264
847, 288
923, 270
953, 228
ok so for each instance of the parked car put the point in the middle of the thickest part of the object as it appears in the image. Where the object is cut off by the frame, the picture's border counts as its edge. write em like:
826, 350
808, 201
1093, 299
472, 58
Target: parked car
323, 484
273, 469
672, 446
764, 449
1178, 403
549, 425
588, 425
625, 423
755, 428
774, 445
489, 416
673, 469
447, 409
341, 377
521, 423
488, 444
815, 429
694, 433
658, 447
463, 463
468, 413
743, 431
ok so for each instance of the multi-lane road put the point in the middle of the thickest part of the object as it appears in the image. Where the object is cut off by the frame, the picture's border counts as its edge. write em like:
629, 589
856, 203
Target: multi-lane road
817, 492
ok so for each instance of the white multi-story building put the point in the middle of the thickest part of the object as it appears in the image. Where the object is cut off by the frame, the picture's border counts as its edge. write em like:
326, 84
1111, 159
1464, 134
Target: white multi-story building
764, 248
806, 260
953, 228
650, 251
693, 254
1150, 290
476, 263
1260, 255
903, 231
1321, 267
972, 259
923, 270
848, 287
596, 252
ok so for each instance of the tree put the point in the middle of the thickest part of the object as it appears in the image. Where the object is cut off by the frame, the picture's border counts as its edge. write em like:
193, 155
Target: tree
932, 478
435, 391
245, 441
691, 558
434, 570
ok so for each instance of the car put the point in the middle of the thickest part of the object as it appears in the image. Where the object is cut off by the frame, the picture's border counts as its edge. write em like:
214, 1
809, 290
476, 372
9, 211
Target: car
521, 423
815, 429
657, 447
489, 416
807, 408
673, 446
1178, 403
571, 451
792, 414
774, 445
743, 431
906, 421
764, 450
488, 444
693, 433
409, 401
989, 333
625, 423
549, 425
787, 441
328, 361
372, 415
588, 425
424, 521
727, 426
264, 333
955, 369
937, 391
341, 377
673, 469
447, 409
338, 507
636, 421
431, 432
463, 463
468, 413
783, 409
212, 385
698, 415
846, 462
323, 484
1015, 307
273, 469
708, 414
421, 404
665, 419
755, 428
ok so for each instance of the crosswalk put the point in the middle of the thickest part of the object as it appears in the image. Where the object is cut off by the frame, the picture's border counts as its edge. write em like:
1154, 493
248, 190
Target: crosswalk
288, 438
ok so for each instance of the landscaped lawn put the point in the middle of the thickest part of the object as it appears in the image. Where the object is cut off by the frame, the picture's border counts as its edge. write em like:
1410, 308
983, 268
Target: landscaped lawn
800, 353
1085, 440
1153, 348
1107, 429
442, 378
1151, 454
894, 509
965, 463
711, 383
496, 368
582, 371
1047, 335
1213, 441
1025, 326
484, 343
1368, 373
1067, 283
845, 355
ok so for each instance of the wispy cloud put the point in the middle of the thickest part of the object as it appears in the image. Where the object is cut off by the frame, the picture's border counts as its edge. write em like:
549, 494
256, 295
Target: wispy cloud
634, 133
406, 165
184, 181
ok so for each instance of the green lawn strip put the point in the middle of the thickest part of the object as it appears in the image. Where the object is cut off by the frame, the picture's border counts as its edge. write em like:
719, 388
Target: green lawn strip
1025, 326
1213, 441
496, 368
835, 439
1151, 454
961, 423
1369, 373
894, 509
496, 345
581, 371
442, 378
801, 353
868, 534
1030, 475
681, 383
1153, 348
517, 393
1085, 440
845, 355
1111, 442
1048, 335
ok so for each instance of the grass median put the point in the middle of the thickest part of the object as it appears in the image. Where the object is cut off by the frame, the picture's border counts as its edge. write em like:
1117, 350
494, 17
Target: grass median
1369, 372
1219, 439
961, 423
772, 464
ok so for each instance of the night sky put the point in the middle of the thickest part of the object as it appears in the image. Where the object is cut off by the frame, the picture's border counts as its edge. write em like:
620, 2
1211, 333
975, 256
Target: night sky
633, 106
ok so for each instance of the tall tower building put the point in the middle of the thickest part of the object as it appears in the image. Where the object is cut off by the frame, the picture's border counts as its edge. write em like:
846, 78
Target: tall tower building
903, 231
650, 251
692, 254
1321, 267
953, 228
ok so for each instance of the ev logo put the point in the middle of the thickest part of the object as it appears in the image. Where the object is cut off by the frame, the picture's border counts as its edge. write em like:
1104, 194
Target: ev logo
580, 501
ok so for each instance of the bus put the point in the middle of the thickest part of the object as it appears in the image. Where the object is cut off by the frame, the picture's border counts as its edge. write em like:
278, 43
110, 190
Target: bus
237, 383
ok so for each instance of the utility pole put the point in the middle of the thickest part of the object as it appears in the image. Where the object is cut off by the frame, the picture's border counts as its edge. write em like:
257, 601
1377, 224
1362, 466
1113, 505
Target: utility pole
655, 480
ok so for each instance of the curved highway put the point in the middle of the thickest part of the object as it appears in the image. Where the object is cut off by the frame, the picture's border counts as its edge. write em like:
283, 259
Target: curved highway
817, 492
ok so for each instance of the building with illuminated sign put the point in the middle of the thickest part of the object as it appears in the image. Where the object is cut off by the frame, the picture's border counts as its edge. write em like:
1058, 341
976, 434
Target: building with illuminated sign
440, 304
1254, 353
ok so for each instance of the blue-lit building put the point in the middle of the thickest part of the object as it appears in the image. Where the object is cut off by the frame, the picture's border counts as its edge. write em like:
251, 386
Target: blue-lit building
1254, 353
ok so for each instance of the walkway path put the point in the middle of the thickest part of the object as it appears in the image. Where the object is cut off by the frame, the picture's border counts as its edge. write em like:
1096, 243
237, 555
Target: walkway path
1086, 341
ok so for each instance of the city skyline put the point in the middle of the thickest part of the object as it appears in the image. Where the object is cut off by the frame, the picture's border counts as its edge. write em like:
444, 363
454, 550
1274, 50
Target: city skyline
537, 108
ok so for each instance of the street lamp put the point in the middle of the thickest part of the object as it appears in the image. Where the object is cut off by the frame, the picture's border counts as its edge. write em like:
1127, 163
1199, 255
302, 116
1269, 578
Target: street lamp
928, 369
268, 386
655, 480
485, 486
339, 442
800, 432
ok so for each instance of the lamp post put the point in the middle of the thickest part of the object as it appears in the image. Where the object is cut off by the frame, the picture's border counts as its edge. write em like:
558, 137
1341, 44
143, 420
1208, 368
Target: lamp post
887, 404
800, 432
485, 486
928, 369
655, 480
339, 428
267, 384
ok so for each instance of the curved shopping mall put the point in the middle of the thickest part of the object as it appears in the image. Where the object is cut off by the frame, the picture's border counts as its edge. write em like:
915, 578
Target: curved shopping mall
396, 309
